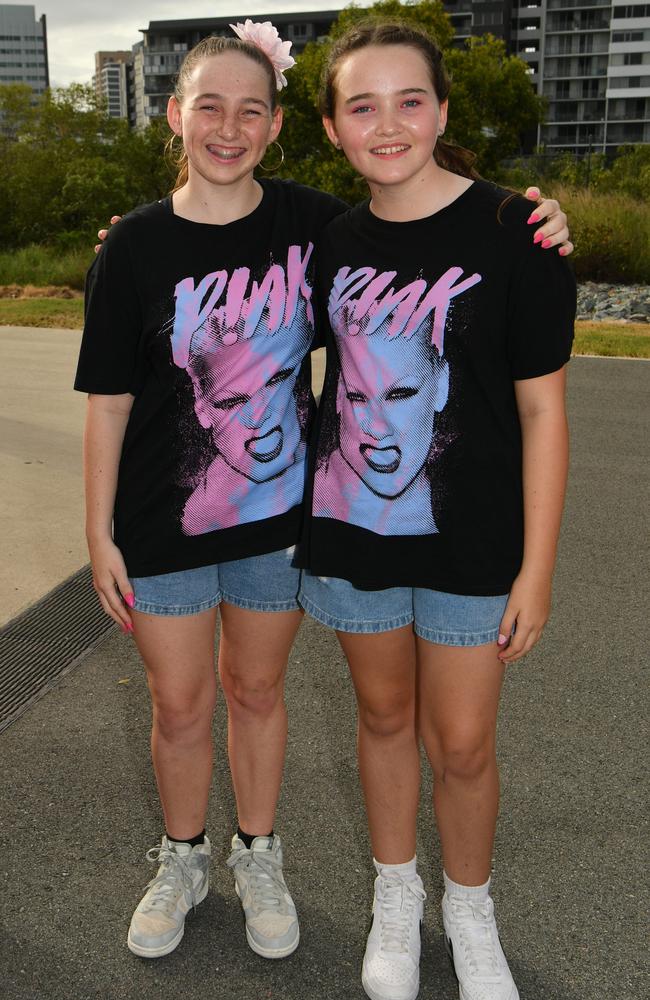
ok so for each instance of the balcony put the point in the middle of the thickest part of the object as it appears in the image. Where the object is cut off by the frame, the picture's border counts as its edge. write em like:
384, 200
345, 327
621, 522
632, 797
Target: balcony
573, 4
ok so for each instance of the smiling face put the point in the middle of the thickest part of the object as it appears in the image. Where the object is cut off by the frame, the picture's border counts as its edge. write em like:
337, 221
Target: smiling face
387, 117
388, 394
245, 393
225, 119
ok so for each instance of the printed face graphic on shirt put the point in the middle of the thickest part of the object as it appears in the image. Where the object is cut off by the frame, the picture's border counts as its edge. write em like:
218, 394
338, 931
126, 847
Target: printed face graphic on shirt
387, 389
243, 342
246, 394
393, 381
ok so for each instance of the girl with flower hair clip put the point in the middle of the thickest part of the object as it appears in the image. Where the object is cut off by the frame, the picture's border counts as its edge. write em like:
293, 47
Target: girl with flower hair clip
195, 356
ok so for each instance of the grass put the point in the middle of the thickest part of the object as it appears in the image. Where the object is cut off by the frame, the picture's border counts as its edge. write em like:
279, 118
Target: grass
613, 340
43, 265
611, 233
66, 314
610, 340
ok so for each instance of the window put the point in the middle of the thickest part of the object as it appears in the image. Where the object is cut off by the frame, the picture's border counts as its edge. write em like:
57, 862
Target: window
627, 36
632, 10
632, 58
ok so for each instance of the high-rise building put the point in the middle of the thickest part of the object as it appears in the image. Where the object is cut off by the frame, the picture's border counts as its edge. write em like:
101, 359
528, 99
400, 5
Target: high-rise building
23, 47
111, 81
590, 59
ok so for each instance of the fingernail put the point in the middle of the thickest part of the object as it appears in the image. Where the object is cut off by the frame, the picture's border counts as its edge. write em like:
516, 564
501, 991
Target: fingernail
537, 237
547, 243
129, 627
130, 600
563, 251
533, 218
502, 639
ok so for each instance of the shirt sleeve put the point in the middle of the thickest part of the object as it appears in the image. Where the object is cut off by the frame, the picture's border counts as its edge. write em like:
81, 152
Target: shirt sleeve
541, 313
113, 319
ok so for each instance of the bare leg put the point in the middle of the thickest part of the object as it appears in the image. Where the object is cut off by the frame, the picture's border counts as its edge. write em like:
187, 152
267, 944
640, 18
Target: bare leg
178, 654
458, 697
253, 654
383, 673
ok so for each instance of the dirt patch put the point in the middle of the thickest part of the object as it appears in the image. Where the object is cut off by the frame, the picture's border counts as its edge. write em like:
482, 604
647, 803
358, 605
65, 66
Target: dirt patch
33, 292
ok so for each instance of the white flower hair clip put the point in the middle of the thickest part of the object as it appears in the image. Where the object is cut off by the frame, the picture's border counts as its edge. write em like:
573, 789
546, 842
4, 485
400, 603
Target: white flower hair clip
266, 37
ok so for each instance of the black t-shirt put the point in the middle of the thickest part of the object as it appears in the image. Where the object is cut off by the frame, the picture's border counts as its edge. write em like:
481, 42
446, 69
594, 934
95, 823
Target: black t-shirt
416, 476
210, 329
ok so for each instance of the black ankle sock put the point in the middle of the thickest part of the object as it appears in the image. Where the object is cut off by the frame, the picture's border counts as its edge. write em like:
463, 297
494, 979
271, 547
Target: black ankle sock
192, 841
248, 838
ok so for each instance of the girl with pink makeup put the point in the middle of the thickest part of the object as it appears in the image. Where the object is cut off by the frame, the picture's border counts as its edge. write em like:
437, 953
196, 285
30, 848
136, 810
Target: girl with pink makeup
437, 483
195, 355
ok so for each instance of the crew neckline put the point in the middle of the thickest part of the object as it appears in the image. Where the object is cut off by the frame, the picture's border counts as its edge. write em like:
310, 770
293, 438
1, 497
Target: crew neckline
253, 216
458, 203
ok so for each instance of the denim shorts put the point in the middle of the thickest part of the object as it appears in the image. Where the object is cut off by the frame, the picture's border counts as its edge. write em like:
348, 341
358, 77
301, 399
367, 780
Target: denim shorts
259, 583
447, 619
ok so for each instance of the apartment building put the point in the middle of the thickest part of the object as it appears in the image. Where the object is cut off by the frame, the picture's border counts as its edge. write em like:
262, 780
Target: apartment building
112, 79
590, 59
23, 47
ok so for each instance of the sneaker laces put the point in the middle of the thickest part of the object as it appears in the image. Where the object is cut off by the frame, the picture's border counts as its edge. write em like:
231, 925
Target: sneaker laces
397, 899
164, 886
476, 934
263, 869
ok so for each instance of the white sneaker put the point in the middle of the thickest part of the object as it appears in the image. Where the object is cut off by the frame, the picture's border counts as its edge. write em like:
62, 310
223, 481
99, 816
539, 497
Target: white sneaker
473, 944
391, 964
271, 921
158, 922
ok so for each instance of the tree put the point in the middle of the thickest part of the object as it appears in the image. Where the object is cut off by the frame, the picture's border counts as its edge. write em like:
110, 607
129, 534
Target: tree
492, 103
68, 165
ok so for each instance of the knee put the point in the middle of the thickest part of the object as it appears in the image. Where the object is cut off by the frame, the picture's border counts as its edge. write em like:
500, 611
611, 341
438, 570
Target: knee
464, 757
385, 719
186, 720
252, 694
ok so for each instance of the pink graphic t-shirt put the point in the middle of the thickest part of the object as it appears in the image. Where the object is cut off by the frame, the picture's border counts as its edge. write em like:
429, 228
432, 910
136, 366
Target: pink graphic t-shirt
416, 475
210, 328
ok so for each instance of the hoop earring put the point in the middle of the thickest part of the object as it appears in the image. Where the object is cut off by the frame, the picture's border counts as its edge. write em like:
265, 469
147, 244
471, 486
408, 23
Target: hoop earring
276, 166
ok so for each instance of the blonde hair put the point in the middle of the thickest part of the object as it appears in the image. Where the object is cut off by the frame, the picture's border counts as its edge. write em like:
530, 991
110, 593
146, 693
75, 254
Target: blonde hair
206, 49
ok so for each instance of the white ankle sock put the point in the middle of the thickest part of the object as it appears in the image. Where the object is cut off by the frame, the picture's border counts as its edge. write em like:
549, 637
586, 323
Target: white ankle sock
476, 892
407, 870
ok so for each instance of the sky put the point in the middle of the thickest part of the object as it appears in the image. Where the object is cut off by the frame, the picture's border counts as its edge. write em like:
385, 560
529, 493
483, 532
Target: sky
76, 29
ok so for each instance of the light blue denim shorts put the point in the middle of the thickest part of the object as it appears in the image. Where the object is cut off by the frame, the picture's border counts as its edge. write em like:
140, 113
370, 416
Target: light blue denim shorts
447, 619
259, 583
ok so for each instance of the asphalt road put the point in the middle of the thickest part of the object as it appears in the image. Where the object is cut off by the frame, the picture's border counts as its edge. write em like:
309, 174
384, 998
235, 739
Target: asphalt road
78, 805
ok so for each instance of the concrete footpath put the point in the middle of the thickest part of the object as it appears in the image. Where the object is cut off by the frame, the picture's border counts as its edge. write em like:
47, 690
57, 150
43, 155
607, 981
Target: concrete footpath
78, 806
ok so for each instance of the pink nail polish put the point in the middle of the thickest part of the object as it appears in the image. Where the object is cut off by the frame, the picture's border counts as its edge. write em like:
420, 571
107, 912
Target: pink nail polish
533, 218
537, 237
129, 599
563, 251
502, 640
129, 627
546, 244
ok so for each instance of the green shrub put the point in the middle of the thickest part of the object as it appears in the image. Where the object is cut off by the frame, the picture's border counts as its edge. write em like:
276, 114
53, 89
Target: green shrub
44, 265
611, 233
